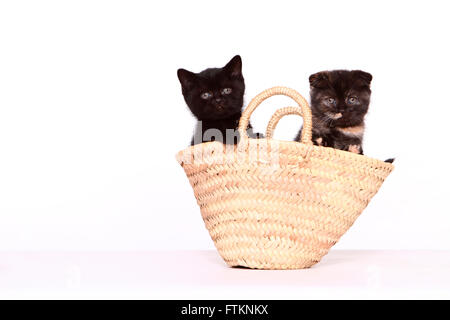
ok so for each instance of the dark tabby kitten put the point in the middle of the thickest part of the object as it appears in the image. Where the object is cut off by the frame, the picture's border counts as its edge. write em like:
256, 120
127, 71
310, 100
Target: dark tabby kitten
215, 97
339, 102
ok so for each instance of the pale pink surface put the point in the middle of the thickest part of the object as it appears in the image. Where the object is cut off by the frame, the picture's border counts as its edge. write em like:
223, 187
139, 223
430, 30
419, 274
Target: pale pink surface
203, 275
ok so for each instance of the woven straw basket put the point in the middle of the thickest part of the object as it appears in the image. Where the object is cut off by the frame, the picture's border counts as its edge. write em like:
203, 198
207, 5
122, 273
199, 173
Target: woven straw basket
271, 204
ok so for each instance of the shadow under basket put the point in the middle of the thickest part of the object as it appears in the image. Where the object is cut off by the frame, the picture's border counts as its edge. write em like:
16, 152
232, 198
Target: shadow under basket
271, 204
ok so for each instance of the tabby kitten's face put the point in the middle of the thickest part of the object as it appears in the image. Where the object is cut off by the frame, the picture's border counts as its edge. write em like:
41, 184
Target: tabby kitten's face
340, 98
215, 93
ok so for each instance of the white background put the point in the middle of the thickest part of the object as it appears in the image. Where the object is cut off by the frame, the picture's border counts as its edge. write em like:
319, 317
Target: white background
91, 112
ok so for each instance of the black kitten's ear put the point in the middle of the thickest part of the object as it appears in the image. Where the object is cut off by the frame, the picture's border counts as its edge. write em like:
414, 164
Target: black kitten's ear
318, 80
234, 67
187, 78
364, 76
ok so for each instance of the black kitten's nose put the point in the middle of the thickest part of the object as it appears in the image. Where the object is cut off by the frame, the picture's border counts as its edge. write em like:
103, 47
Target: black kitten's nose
218, 99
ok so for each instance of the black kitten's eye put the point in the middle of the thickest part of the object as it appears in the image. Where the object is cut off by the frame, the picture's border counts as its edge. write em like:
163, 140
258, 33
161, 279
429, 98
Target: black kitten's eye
206, 95
226, 91
352, 100
330, 100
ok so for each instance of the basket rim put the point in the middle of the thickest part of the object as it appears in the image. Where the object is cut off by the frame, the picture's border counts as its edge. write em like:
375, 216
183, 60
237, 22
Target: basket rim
329, 150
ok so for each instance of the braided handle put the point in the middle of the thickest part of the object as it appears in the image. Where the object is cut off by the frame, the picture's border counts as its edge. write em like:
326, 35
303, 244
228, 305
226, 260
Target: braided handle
306, 137
280, 113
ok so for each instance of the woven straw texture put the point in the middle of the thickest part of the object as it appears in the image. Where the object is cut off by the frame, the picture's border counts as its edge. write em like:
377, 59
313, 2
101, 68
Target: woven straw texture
271, 204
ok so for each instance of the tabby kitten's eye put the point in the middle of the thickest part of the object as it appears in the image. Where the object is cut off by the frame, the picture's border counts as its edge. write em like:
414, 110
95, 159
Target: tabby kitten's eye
226, 91
352, 100
331, 100
206, 95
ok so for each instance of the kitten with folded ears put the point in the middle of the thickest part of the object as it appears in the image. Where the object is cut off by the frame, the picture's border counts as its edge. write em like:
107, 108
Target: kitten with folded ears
339, 102
215, 97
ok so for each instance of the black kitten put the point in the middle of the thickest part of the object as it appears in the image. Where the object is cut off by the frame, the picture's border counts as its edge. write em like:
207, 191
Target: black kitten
339, 102
215, 97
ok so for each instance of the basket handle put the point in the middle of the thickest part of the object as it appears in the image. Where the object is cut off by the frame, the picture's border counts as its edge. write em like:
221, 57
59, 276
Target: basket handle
276, 117
306, 136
